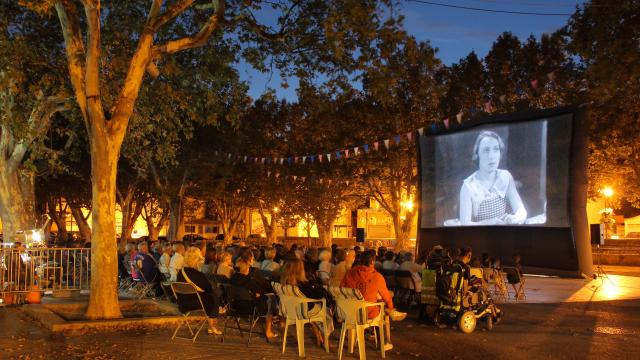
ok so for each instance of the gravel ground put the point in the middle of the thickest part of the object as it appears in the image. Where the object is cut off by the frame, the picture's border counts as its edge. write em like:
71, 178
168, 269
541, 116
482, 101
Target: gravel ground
597, 330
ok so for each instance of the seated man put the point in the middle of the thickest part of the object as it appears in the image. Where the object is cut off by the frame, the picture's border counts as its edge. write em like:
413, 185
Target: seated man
371, 284
146, 263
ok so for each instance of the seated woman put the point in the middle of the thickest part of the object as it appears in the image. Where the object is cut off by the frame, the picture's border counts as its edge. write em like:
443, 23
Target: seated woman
225, 266
324, 269
485, 194
268, 264
293, 274
266, 304
189, 273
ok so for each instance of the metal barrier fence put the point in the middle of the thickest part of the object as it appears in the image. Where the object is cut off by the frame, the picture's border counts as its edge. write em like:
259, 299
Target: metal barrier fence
44, 269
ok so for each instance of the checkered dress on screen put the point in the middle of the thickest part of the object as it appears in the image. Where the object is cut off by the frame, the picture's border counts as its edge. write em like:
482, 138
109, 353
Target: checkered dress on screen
491, 208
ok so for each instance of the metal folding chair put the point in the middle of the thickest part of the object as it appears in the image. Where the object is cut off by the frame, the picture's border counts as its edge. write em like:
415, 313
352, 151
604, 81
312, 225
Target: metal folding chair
514, 277
241, 303
180, 290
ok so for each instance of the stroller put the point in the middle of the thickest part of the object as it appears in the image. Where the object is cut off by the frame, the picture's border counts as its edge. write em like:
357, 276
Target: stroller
464, 309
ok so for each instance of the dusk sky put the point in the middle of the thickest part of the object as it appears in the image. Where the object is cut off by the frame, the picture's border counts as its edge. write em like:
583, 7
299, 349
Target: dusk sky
454, 32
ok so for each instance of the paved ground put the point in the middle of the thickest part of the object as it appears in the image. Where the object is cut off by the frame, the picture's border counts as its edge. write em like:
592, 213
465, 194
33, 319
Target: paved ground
573, 329
570, 330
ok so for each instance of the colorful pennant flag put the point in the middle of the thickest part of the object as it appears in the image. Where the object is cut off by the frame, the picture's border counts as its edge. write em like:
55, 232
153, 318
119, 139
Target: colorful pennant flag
446, 123
386, 144
376, 145
459, 117
534, 84
421, 131
366, 148
397, 139
410, 136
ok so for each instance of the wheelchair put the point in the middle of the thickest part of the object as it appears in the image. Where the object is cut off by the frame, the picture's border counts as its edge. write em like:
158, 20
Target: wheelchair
464, 309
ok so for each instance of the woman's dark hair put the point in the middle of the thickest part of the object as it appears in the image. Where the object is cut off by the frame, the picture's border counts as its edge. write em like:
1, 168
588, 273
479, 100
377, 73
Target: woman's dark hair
482, 135
341, 255
389, 255
367, 258
464, 251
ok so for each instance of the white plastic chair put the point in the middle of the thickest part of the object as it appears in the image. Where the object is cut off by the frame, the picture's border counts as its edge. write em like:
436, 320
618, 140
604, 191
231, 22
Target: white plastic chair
352, 310
294, 307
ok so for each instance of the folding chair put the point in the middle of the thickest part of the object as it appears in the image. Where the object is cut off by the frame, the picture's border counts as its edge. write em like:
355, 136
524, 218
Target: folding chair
352, 311
143, 288
295, 308
496, 277
180, 291
165, 285
241, 303
514, 277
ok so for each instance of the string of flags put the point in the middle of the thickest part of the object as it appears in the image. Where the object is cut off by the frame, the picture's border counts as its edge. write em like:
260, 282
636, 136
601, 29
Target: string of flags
376, 146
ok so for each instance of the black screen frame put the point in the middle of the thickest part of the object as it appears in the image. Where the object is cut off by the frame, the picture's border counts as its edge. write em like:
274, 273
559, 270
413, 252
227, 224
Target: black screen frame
543, 249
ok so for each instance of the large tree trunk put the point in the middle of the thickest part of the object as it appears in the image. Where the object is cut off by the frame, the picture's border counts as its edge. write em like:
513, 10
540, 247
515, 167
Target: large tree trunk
103, 299
269, 227
149, 217
176, 219
17, 202
57, 213
81, 220
402, 228
324, 233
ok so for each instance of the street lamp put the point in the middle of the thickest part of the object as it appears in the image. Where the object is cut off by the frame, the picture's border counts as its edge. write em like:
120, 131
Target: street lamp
607, 192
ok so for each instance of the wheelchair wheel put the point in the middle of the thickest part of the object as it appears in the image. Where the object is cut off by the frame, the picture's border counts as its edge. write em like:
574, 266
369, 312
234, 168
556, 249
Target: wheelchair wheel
489, 322
467, 322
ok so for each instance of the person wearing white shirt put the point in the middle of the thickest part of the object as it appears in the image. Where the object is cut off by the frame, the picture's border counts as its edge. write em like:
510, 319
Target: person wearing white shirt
325, 266
268, 264
177, 261
415, 269
165, 260
389, 263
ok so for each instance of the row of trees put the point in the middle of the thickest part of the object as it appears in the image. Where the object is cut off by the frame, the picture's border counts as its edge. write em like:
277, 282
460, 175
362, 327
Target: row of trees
132, 104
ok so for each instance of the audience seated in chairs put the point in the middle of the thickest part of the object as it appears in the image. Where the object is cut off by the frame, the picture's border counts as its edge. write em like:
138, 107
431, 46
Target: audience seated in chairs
438, 258
345, 260
514, 277
389, 263
415, 269
293, 274
165, 260
189, 273
147, 267
210, 264
176, 262
225, 266
261, 290
371, 284
269, 264
325, 266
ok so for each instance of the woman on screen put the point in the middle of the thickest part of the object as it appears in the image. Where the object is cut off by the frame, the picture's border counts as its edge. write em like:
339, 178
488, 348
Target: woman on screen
489, 195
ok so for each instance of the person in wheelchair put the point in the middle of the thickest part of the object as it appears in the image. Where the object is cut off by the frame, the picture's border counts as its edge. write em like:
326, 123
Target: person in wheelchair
463, 297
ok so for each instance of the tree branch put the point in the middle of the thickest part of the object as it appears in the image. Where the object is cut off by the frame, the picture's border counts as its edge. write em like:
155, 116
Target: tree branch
156, 22
69, 22
38, 123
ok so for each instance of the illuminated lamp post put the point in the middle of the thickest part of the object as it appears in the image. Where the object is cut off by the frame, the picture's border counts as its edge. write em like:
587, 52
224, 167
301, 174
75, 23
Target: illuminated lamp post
607, 192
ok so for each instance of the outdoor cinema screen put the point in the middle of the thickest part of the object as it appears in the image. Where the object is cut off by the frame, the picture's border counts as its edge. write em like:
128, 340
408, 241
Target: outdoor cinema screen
503, 173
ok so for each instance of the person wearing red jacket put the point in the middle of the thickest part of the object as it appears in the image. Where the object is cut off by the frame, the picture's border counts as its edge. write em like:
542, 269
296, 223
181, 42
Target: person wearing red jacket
372, 286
